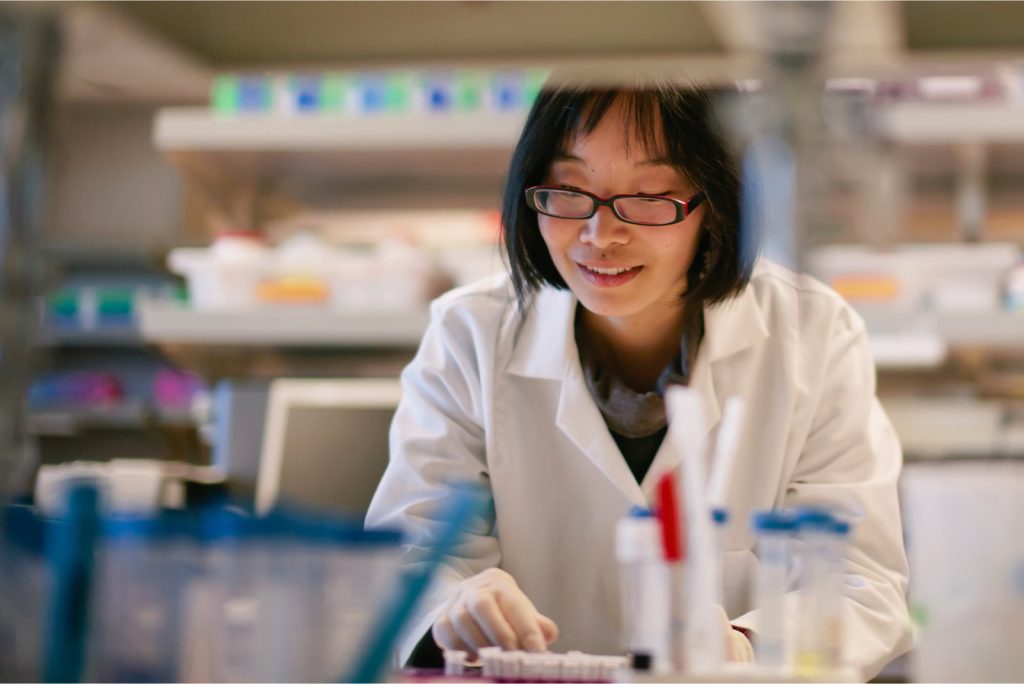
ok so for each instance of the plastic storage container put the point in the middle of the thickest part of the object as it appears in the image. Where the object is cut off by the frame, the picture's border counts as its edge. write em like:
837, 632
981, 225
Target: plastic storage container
227, 275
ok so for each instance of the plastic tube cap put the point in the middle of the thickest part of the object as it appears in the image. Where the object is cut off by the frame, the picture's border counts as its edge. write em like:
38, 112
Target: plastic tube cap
638, 539
813, 518
772, 522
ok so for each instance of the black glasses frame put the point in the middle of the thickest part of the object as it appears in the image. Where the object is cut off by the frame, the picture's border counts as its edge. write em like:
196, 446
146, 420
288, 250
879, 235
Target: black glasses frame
683, 207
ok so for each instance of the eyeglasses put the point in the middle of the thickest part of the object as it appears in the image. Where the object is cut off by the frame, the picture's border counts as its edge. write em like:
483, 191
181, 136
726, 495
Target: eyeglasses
643, 210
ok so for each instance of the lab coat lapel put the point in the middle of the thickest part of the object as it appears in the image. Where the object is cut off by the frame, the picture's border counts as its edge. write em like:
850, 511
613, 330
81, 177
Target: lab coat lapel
581, 421
730, 327
668, 456
546, 349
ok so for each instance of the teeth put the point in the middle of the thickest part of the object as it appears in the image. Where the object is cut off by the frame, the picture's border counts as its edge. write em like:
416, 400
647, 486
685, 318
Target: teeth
607, 271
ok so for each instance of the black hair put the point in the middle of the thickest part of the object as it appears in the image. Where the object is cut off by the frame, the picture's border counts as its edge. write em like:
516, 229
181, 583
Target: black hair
691, 141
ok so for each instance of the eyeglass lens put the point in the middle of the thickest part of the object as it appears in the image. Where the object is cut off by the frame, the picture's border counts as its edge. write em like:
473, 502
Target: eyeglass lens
569, 204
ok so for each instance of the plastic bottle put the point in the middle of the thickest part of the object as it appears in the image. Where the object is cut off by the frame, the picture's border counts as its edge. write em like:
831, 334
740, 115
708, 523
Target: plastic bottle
832, 609
774, 530
644, 585
814, 532
240, 260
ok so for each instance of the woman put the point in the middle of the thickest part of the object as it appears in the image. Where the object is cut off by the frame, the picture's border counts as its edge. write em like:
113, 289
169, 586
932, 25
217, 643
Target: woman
628, 272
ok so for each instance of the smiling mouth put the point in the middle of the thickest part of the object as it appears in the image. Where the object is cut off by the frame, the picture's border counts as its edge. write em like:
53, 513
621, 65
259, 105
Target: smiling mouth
609, 271
608, 277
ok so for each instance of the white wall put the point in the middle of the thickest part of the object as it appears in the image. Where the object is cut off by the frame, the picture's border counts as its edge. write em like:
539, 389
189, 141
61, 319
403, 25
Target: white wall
109, 186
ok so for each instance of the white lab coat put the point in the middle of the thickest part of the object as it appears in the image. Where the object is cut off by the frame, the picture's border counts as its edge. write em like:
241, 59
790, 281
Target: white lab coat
500, 399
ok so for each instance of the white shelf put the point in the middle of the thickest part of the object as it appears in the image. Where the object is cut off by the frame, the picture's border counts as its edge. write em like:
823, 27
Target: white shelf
1004, 329
949, 123
922, 339
107, 336
69, 421
199, 129
170, 322
337, 147
131, 414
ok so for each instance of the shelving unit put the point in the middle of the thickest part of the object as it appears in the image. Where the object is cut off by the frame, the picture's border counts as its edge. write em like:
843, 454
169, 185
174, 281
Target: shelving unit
126, 336
922, 340
944, 123
170, 322
128, 415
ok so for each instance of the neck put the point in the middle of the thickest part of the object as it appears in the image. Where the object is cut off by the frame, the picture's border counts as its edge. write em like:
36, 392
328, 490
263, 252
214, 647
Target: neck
634, 350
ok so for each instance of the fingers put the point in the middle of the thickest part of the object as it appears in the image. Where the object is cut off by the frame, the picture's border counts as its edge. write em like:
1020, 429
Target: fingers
491, 609
548, 628
446, 637
484, 609
469, 631
524, 619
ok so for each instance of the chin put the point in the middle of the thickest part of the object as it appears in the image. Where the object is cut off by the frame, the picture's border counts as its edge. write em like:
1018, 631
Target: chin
603, 305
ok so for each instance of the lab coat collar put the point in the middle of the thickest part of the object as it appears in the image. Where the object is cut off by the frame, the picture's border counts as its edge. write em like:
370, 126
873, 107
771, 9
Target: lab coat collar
729, 328
546, 349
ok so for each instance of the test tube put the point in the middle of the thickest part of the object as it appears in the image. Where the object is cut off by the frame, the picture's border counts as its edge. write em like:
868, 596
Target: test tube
590, 668
774, 530
532, 666
489, 660
454, 662
720, 522
813, 529
572, 667
832, 609
511, 664
551, 667
644, 581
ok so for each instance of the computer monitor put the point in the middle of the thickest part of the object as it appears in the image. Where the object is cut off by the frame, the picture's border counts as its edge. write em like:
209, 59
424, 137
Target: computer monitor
325, 443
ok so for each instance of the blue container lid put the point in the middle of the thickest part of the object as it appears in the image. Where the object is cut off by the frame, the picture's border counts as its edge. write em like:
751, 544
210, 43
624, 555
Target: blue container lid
229, 524
163, 526
772, 521
640, 512
813, 518
840, 527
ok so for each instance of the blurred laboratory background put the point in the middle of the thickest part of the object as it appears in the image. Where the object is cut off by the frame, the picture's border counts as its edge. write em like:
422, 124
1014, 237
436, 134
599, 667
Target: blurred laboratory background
227, 219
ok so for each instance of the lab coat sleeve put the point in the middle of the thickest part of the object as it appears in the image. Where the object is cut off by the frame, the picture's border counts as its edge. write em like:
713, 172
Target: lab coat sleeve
437, 438
850, 463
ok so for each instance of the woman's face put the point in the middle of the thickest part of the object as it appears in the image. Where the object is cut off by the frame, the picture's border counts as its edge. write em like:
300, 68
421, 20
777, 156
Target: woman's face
657, 258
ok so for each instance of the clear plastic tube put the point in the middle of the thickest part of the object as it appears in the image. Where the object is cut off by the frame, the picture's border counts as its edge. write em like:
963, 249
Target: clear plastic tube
774, 530
644, 587
813, 527
832, 609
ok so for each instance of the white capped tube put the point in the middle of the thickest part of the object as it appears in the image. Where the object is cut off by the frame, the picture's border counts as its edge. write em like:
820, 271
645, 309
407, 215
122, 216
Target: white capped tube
454, 662
774, 530
644, 587
813, 530
723, 464
832, 610
489, 660
705, 649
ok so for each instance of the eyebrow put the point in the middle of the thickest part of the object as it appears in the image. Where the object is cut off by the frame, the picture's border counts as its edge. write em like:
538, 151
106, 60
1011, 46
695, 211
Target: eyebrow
657, 161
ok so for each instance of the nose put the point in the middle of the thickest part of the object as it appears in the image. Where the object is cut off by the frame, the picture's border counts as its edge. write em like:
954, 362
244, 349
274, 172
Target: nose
604, 229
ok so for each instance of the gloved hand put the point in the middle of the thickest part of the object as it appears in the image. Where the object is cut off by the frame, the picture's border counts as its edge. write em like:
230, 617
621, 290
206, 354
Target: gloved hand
490, 609
738, 648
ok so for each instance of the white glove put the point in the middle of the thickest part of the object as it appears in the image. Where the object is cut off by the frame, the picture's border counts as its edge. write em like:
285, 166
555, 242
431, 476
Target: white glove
490, 609
738, 648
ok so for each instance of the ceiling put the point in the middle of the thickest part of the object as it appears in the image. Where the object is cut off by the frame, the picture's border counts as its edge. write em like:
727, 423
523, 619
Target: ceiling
241, 33
169, 51
232, 34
